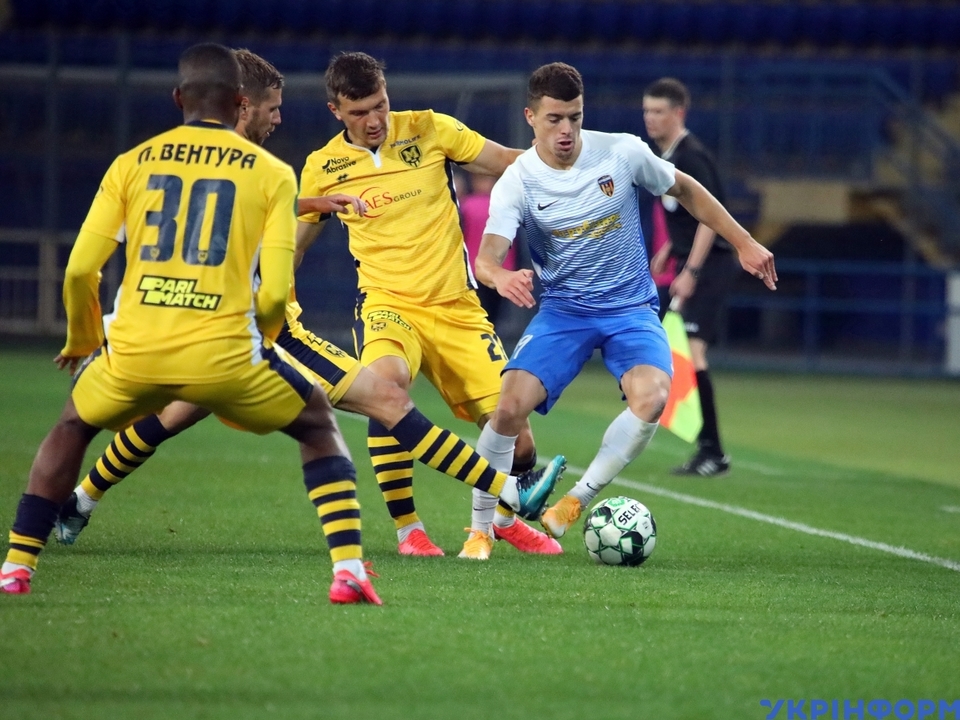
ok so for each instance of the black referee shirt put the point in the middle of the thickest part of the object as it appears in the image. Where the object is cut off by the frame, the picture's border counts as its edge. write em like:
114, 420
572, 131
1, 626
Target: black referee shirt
690, 156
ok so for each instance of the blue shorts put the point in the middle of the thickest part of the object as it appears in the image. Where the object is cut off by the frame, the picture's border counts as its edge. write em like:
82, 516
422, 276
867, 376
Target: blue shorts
556, 345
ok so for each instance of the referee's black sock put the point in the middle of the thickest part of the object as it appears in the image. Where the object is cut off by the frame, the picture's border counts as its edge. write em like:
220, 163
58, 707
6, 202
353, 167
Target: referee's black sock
710, 433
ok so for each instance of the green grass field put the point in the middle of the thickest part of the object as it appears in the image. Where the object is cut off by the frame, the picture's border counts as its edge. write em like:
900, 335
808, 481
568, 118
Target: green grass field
200, 588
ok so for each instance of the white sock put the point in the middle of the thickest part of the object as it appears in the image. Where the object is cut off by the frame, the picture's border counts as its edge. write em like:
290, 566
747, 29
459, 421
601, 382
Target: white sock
404, 532
624, 440
354, 566
9, 567
497, 450
85, 504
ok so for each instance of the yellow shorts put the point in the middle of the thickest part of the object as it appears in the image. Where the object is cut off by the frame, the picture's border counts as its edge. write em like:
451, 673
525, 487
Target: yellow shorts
333, 368
262, 398
453, 343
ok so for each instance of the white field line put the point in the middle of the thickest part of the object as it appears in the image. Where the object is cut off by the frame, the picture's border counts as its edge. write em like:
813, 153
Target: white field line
951, 508
760, 517
780, 522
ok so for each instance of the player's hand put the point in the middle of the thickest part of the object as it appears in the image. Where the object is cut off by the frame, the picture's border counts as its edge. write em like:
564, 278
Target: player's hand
517, 287
329, 204
68, 362
758, 261
658, 263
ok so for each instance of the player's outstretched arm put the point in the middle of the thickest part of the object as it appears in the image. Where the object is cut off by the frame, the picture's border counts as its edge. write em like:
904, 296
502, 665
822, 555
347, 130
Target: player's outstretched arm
81, 297
493, 159
329, 204
755, 259
515, 285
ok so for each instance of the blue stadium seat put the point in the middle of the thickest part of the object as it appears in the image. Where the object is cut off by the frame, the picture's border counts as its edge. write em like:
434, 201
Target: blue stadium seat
947, 27
747, 24
852, 24
464, 19
570, 21
536, 19
364, 18
230, 16
643, 22
130, 14
19, 46
498, 19
148, 52
918, 25
435, 19
64, 13
818, 25
712, 22
28, 14
22, 190
605, 20
160, 16
402, 21
677, 23
86, 49
887, 26
940, 78
783, 22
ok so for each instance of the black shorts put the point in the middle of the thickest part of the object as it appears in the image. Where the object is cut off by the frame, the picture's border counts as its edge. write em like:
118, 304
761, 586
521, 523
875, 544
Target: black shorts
701, 312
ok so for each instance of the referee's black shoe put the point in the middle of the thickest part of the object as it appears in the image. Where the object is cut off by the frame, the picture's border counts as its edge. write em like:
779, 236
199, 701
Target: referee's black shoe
706, 463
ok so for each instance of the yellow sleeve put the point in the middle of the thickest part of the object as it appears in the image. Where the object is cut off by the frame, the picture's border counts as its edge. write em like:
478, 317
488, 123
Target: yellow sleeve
280, 228
310, 187
276, 274
81, 293
108, 210
459, 143
276, 257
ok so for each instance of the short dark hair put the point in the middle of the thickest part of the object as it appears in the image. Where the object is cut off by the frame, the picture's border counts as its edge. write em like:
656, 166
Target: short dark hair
354, 75
671, 89
208, 71
259, 76
557, 80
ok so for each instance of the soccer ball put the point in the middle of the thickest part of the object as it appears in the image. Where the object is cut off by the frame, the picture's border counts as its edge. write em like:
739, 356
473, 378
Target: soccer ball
620, 531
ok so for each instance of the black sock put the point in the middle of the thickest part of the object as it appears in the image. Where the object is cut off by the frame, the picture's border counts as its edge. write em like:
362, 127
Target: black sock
710, 433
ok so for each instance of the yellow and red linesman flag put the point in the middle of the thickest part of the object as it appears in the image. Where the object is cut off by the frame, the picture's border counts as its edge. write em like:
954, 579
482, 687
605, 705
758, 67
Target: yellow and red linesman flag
683, 415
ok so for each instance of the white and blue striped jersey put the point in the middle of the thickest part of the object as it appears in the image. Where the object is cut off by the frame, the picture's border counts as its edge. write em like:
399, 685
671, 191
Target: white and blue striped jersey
583, 223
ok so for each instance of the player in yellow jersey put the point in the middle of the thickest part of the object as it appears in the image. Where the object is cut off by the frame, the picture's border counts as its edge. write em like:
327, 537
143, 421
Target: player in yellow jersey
417, 309
198, 209
343, 378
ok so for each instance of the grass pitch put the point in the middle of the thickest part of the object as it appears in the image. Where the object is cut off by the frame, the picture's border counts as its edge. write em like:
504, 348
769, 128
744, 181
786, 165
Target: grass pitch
200, 588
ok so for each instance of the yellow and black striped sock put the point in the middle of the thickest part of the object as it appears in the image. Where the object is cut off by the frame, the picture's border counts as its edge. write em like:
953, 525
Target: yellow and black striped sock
332, 486
131, 447
31, 528
444, 451
393, 467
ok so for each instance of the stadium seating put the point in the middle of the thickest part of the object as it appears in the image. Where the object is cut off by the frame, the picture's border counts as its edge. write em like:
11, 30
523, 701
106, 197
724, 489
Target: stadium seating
856, 24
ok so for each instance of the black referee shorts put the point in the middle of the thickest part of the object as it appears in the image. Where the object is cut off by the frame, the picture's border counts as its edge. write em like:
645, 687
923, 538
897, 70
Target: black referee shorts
701, 312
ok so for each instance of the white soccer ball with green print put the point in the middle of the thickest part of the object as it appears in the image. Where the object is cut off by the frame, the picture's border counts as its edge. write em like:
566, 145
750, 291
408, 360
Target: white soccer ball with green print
620, 531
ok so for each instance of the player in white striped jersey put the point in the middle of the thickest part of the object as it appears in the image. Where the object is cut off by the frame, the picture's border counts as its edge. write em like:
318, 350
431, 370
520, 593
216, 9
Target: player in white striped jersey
574, 194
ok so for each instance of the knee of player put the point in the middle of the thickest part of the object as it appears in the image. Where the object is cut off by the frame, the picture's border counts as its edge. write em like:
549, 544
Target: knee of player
648, 405
393, 401
511, 413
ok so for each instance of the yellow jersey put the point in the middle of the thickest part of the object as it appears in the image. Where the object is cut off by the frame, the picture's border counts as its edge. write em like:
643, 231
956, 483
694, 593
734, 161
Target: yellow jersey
194, 206
409, 243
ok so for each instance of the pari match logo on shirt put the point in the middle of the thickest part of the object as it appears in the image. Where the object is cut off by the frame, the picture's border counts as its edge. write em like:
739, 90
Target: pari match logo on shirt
175, 292
606, 184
